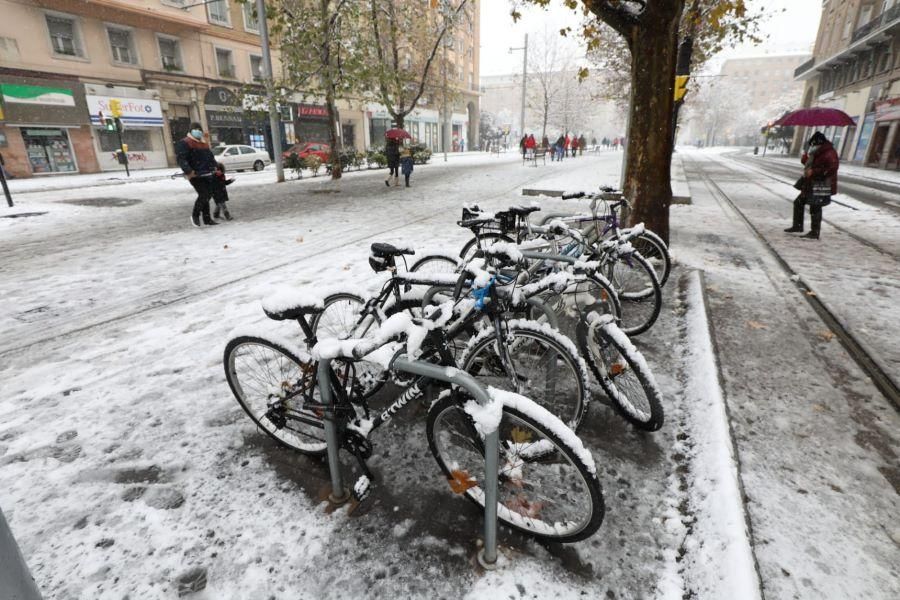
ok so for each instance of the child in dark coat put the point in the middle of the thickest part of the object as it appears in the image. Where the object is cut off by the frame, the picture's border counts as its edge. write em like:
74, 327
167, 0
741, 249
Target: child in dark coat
406, 164
220, 193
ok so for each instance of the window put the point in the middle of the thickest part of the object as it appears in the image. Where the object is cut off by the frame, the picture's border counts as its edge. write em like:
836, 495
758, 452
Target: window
121, 44
231, 152
865, 15
251, 22
137, 140
64, 36
218, 12
224, 63
256, 67
170, 54
247, 150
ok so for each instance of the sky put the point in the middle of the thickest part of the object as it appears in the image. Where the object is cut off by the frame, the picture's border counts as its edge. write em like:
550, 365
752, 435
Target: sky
793, 30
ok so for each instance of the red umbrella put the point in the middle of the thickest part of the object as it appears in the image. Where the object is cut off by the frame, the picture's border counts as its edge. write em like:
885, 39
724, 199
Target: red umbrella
815, 117
396, 134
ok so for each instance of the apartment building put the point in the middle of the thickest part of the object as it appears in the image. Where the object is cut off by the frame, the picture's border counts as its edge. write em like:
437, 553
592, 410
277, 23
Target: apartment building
168, 62
856, 68
764, 80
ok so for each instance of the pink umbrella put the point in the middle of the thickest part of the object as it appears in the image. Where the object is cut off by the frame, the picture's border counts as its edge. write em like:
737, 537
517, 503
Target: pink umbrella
396, 134
815, 117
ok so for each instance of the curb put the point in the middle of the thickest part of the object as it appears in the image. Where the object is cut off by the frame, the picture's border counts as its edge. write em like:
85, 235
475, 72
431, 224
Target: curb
723, 563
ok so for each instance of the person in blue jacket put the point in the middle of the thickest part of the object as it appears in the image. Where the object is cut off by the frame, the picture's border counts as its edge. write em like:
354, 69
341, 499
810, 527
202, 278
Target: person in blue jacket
406, 163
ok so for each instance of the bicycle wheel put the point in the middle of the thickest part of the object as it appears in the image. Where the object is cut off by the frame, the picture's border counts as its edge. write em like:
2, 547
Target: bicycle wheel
640, 295
339, 319
592, 293
547, 485
652, 248
468, 251
435, 263
546, 367
269, 383
622, 372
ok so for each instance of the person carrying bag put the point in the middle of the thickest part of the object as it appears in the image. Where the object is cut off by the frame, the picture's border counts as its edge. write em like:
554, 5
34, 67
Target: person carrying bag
817, 186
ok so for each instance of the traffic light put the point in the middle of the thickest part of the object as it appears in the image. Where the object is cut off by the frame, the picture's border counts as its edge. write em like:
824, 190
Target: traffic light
115, 107
681, 82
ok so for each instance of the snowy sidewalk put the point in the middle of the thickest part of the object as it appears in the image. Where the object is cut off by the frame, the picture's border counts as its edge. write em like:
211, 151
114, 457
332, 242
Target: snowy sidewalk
817, 444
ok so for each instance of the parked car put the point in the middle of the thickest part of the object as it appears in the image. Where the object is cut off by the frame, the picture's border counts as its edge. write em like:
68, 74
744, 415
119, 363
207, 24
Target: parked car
240, 157
305, 149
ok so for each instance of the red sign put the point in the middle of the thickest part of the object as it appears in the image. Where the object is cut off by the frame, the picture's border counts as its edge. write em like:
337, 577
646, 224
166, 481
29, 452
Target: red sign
312, 110
888, 110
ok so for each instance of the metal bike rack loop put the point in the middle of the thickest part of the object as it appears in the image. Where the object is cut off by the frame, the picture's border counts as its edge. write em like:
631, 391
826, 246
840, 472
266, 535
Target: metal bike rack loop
487, 557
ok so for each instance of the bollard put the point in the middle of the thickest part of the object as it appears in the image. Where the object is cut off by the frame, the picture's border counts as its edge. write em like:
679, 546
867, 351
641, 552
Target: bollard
16, 582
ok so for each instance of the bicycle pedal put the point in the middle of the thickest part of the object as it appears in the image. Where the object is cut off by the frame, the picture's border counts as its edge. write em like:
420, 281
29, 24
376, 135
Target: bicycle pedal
362, 488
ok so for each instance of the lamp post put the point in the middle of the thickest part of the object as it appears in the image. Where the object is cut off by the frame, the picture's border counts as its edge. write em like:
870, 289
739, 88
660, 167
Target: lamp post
524, 79
274, 115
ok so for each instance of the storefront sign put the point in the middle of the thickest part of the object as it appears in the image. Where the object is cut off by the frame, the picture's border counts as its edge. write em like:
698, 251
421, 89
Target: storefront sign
37, 94
888, 110
312, 111
136, 112
217, 118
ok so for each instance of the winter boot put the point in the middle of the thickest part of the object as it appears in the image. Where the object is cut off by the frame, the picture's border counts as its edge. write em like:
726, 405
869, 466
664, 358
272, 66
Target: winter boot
195, 219
396, 181
227, 214
815, 225
387, 181
797, 227
216, 212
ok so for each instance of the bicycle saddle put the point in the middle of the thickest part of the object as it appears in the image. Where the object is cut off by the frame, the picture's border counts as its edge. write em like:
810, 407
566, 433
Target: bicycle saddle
523, 211
382, 250
289, 303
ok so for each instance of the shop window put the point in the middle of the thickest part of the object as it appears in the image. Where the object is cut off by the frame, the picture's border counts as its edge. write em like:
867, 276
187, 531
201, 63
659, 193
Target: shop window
48, 150
217, 11
170, 54
224, 62
137, 140
64, 36
251, 22
121, 44
256, 67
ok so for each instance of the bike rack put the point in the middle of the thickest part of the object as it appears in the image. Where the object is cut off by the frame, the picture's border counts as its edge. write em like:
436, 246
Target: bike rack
16, 581
487, 556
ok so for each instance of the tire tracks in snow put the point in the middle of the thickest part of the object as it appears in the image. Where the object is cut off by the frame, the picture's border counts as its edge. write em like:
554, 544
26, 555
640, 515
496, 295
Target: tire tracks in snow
157, 303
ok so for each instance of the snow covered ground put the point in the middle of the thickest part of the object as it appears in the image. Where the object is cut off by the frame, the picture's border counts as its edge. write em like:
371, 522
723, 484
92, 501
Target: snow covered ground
127, 469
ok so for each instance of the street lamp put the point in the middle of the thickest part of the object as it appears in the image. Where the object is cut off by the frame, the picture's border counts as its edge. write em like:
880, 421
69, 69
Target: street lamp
524, 78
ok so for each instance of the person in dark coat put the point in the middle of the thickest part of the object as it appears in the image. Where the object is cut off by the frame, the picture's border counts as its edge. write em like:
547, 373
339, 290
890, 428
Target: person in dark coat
560, 147
199, 166
220, 192
392, 154
581, 144
821, 163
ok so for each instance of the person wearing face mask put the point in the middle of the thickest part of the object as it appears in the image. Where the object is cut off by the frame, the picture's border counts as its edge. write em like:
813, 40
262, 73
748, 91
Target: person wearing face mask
818, 184
199, 166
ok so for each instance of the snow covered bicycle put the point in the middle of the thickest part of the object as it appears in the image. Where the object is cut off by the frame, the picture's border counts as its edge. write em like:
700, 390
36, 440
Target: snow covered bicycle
522, 356
547, 481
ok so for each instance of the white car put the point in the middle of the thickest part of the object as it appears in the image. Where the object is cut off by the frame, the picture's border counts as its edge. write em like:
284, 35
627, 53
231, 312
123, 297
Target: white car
239, 157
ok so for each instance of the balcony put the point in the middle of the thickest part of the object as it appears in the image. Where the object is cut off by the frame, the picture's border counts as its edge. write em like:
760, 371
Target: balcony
804, 67
885, 19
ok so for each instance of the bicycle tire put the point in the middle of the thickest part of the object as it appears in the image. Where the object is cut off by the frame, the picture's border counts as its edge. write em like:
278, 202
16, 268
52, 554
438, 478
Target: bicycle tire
371, 376
481, 359
435, 263
655, 251
471, 247
289, 366
546, 475
622, 372
641, 304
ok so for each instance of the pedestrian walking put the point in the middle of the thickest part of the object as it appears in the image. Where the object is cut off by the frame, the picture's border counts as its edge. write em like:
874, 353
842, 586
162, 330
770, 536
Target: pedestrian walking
522, 145
406, 163
818, 184
220, 192
530, 145
462, 146
199, 167
545, 143
615, 143
560, 147
392, 154
581, 144
574, 145
567, 143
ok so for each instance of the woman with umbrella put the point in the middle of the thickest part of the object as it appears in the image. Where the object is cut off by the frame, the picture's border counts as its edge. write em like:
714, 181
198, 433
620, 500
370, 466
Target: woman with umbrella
393, 138
820, 161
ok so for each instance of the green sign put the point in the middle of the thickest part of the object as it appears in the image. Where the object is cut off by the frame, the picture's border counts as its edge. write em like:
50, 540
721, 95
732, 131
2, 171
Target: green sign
37, 94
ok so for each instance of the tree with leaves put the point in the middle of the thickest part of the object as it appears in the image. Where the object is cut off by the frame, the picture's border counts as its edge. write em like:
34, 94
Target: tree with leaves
405, 45
651, 31
320, 44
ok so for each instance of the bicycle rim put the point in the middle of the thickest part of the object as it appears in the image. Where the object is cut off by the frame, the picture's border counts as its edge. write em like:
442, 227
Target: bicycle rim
259, 372
543, 489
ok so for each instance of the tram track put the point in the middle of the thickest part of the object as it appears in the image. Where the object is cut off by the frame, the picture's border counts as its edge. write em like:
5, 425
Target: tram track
857, 350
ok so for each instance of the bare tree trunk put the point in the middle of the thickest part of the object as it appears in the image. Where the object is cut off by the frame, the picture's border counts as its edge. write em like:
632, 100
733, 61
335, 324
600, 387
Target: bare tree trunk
649, 152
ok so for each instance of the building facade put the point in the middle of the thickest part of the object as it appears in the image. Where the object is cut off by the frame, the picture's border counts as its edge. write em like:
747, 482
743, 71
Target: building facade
168, 63
856, 68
